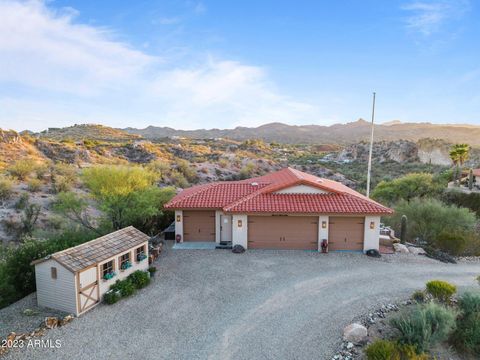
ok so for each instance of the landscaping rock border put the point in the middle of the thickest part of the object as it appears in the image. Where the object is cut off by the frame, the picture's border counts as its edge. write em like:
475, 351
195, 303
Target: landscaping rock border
351, 351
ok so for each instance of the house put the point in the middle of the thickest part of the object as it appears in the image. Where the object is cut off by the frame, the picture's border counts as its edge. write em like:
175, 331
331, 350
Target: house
287, 209
74, 280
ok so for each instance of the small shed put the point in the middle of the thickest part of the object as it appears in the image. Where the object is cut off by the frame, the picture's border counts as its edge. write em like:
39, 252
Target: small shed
74, 280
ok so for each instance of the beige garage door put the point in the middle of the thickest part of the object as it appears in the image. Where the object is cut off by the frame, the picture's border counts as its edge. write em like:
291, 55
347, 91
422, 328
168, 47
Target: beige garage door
283, 232
346, 233
199, 225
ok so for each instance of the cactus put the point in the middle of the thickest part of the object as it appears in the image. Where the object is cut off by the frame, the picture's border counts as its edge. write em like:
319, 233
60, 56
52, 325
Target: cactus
403, 230
470, 179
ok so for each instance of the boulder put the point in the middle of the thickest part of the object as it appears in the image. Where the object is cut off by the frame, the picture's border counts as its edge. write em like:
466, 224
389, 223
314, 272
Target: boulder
238, 249
400, 248
355, 333
416, 250
51, 322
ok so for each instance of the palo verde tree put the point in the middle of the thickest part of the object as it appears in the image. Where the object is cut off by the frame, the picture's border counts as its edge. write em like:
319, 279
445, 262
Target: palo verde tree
128, 195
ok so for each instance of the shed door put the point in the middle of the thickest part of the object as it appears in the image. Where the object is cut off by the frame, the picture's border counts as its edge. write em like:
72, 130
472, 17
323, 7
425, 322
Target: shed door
199, 225
283, 232
88, 291
346, 233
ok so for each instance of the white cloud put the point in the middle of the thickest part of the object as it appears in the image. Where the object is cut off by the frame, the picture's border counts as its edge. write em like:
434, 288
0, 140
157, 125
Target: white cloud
428, 17
72, 71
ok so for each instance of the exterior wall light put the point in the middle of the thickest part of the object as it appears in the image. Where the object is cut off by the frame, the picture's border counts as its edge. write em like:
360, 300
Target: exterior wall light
239, 223
372, 224
324, 224
179, 218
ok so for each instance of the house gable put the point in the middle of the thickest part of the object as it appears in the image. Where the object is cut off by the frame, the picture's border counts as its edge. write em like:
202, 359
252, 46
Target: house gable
301, 189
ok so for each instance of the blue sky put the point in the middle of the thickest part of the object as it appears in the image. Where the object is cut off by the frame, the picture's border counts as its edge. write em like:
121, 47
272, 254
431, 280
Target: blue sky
191, 64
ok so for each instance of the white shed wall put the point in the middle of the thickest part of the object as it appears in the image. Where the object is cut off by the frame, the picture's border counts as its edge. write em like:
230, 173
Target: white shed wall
59, 293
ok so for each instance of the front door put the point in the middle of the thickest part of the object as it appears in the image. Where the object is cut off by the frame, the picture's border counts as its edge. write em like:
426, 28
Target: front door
226, 228
88, 291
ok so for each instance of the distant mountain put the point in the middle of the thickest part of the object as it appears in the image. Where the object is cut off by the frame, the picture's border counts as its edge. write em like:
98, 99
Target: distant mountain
344, 134
87, 132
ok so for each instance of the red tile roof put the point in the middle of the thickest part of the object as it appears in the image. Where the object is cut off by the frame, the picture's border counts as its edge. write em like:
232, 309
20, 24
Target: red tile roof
259, 195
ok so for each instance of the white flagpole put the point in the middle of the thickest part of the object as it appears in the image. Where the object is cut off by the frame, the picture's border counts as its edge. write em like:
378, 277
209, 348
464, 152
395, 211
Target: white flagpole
371, 148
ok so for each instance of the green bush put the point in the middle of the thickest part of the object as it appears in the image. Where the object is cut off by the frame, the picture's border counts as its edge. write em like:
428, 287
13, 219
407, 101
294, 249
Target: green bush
21, 169
470, 201
391, 350
452, 243
419, 296
425, 325
34, 185
381, 350
152, 270
126, 287
17, 276
6, 188
467, 335
428, 218
139, 279
111, 297
441, 290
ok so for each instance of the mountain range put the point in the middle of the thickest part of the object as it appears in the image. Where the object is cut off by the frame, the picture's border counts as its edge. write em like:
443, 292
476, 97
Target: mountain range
343, 134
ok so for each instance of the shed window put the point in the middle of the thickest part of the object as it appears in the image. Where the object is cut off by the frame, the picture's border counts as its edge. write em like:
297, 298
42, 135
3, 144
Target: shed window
125, 261
107, 268
53, 272
140, 253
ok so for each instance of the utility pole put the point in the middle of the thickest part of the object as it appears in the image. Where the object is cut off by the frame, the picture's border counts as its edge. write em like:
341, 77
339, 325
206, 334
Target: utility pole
371, 148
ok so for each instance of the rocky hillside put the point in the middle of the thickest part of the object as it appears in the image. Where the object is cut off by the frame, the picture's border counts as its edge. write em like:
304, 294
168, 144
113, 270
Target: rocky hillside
90, 132
349, 133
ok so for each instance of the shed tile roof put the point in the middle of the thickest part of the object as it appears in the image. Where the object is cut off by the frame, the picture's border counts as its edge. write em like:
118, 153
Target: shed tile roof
259, 195
98, 250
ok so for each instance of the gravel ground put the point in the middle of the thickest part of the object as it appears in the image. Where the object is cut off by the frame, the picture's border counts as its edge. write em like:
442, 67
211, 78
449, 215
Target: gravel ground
212, 304
12, 318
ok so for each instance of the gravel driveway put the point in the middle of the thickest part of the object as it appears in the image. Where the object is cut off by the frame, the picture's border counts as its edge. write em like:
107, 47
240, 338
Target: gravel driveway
259, 305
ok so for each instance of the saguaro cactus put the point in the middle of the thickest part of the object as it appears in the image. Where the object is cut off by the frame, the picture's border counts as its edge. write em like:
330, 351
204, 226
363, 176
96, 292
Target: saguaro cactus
470, 179
403, 230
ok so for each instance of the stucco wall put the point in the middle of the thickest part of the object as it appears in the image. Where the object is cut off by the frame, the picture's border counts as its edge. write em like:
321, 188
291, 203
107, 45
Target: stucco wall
240, 233
301, 189
59, 293
371, 236
217, 225
179, 224
322, 232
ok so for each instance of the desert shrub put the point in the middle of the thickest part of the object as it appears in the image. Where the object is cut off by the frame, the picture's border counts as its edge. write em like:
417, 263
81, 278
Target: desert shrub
419, 296
425, 325
6, 188
111, 297
139, 279
458, 198
428, 218
177, 179
22, 201
34, 185
452, 243
247, 171
441, 290
223, 163
41, 171
466, 337
125, 287
381, 350
61, 184
184, 167
392, 350
21, 169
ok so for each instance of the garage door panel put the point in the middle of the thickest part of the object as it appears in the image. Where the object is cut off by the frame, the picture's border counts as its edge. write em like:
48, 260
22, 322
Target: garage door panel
283, 232
346, 233
199, 225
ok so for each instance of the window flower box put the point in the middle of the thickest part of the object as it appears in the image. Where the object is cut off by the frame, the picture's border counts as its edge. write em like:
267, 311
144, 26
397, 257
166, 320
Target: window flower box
126, 265
109, 275
141, 257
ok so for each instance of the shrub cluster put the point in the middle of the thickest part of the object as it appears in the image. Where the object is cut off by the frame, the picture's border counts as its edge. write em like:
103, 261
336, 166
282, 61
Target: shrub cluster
124, 288
466, 338
392, 350
441, 290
